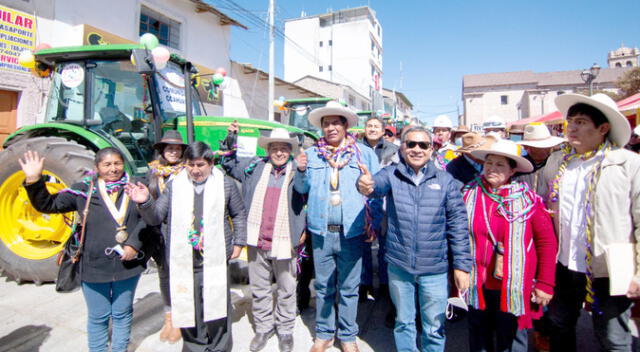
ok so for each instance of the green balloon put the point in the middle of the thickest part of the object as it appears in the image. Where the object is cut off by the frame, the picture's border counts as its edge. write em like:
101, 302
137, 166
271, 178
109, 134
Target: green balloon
149, 40
218, 79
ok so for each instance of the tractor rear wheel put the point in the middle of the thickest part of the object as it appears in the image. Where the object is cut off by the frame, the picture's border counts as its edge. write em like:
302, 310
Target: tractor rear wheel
30, 240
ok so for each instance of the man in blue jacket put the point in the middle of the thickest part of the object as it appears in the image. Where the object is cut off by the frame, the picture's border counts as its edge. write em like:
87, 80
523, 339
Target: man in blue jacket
427, 222
339, 220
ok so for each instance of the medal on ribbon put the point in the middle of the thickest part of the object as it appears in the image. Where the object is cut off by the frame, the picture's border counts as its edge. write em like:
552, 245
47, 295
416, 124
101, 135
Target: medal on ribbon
117, 214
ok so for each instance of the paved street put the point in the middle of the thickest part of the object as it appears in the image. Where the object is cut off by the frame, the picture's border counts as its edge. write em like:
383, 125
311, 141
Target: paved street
36, 318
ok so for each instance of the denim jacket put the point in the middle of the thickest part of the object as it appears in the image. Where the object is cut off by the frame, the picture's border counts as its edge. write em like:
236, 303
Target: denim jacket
315, 182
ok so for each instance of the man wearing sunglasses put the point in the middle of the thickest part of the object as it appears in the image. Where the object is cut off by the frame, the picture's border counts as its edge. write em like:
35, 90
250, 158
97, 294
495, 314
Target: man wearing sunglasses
427, 223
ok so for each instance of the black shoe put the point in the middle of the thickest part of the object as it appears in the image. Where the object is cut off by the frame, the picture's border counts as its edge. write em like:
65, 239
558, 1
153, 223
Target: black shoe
285, 342
260, 340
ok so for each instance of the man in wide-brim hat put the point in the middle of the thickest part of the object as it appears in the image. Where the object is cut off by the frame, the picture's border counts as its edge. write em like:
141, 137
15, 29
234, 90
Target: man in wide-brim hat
275, 224
595, 199
336, 215
539, 143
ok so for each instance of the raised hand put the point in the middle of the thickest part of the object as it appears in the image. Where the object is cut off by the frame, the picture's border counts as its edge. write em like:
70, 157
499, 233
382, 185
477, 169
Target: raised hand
233, 128
138, 193
301, 160
365, 182
32, 166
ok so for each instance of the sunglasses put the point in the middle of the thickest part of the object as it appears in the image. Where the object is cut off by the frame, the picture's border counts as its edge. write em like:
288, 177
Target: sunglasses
422, 145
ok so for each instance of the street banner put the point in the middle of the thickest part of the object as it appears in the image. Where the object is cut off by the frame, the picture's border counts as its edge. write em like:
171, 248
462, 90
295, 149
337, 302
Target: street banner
17, 33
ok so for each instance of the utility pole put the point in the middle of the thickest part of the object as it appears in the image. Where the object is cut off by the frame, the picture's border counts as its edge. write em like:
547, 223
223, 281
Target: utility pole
271, 61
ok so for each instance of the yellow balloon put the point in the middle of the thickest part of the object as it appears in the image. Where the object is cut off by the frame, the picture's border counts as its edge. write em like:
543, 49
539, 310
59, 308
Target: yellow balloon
26, 59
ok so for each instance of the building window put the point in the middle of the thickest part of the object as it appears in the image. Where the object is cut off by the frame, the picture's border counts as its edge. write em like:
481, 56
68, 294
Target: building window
629, 64
373, 45
321, 43
330, 42
504, 100
330, 68
320, 68
352, 100
166, 29
373, 70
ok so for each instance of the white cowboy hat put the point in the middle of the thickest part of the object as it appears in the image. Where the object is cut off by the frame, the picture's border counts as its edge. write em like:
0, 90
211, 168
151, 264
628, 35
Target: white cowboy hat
443, 121
537, 135
620, 130
508, 149
333, 108
279, 135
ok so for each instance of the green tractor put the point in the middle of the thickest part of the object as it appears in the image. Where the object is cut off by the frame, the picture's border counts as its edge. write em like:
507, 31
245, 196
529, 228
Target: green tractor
296, 114
101, 96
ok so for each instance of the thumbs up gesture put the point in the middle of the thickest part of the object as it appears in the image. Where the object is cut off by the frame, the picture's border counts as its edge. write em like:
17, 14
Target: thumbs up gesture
365, 182
301, 160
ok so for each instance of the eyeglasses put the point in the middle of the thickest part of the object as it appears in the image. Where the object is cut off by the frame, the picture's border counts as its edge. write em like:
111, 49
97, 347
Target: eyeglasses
422, 145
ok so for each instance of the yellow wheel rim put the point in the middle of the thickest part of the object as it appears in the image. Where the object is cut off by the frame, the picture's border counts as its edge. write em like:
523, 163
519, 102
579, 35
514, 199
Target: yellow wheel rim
25, 231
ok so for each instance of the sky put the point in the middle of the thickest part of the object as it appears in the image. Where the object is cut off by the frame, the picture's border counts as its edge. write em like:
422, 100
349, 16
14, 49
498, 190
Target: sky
436, 43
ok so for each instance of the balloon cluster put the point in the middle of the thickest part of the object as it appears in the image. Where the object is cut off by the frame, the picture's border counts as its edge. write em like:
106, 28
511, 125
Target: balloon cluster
159, 54
27, 59
279, 103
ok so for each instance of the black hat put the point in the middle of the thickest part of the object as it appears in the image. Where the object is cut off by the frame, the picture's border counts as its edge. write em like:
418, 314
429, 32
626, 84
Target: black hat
170, 137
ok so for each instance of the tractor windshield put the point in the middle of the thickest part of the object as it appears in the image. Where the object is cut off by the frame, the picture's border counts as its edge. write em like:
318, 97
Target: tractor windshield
120, 105
298, 116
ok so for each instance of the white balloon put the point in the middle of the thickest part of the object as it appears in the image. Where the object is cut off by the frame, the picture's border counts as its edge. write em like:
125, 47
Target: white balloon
160, 56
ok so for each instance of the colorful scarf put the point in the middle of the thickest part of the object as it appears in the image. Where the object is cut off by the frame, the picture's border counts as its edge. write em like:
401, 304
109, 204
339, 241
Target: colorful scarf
594, 176
111, 187
159, 170
516, 208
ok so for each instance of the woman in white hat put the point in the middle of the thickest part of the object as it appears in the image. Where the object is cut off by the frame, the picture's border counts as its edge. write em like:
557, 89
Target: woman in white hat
513, 247
443, 148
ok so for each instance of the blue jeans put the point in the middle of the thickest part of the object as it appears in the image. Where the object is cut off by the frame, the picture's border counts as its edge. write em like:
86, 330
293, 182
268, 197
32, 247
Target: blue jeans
433, 294
109, 300
338, 264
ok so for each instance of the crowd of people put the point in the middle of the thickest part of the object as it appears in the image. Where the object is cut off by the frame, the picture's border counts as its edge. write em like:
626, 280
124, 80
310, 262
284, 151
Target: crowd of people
513, 240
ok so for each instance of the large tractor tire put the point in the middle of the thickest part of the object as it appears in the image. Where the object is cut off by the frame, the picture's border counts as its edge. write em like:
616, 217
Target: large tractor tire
30, 240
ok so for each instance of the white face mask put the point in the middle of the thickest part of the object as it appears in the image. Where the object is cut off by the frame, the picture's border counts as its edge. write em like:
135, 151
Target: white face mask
456, 307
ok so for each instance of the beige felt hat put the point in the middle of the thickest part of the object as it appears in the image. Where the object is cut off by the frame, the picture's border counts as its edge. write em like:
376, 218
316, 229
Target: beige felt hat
537, 135
508, 149
620, 130
279, 135
332, 108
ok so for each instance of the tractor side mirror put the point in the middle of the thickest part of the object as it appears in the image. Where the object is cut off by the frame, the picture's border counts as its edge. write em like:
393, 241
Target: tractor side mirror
142, 60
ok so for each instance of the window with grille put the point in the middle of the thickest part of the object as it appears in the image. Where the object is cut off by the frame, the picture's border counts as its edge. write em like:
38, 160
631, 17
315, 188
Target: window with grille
163, 27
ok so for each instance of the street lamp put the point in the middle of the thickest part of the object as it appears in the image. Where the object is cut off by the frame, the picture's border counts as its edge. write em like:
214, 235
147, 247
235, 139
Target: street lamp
588, 76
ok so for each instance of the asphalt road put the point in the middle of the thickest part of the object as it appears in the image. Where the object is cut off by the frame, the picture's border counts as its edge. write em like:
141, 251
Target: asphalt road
36, 318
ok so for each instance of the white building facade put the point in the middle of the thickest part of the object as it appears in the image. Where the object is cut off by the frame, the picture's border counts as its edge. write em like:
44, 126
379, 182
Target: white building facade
336, 91
518, 95
343, 47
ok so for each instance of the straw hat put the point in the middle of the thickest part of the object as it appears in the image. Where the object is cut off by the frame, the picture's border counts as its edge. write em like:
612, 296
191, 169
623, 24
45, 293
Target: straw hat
169, 137
472, 141
620, 130
537, 135
508, 149
279, 135
332, 108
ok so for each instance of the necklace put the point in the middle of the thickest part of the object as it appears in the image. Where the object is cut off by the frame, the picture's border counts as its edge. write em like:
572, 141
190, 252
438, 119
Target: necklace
568, 154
